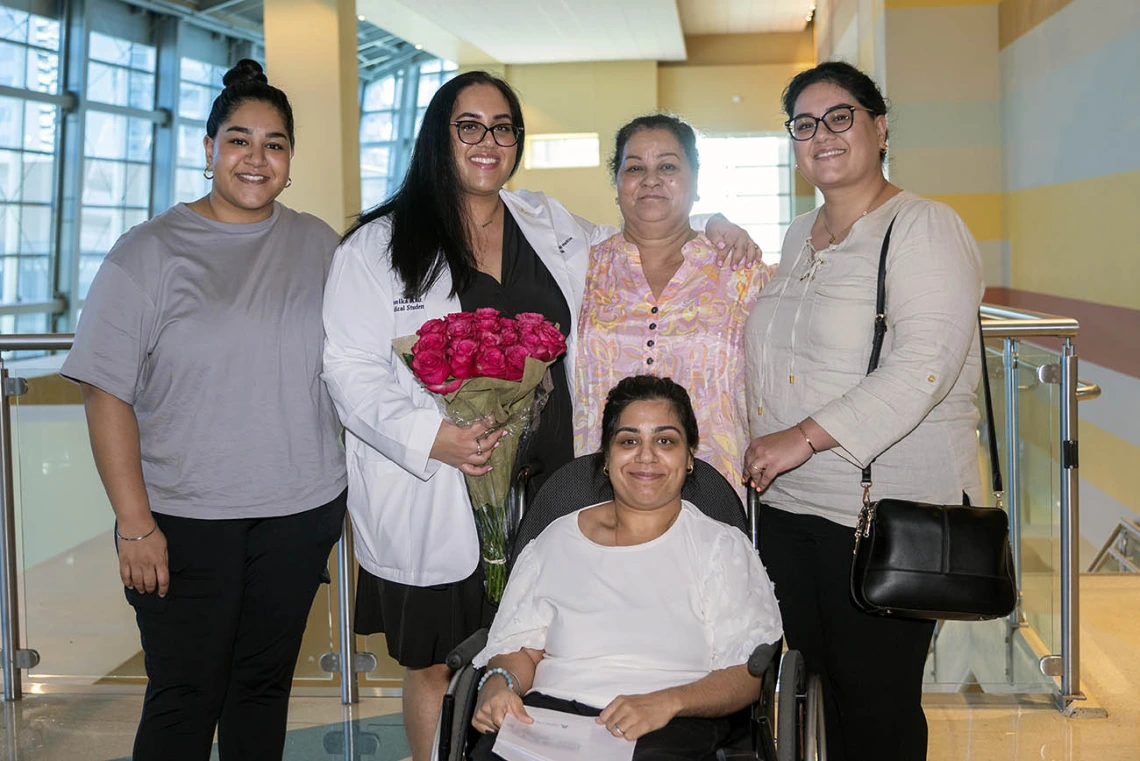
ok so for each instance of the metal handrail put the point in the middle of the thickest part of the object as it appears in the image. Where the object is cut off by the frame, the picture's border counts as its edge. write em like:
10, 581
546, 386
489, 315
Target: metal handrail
1003, 322
12, 655
1126, 528
1012, 325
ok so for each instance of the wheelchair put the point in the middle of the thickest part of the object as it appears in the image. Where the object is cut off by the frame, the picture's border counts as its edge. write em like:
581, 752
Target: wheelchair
787, 722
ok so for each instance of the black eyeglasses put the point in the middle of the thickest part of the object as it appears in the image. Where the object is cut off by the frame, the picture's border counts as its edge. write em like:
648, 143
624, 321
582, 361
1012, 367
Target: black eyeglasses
837, 119
472, 133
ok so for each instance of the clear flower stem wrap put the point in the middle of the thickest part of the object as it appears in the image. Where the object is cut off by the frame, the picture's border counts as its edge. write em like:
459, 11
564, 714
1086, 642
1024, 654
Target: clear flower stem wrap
503, 405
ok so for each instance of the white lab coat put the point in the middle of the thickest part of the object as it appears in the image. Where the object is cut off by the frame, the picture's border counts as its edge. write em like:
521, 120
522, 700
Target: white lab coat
411, 516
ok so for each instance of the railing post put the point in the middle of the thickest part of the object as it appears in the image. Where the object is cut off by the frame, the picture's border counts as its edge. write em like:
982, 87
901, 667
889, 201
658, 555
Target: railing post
349, 689
9, 608
1070, 525
1013, 460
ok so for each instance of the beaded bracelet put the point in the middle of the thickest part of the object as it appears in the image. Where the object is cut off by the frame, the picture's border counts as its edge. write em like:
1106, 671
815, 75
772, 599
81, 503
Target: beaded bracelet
511, 683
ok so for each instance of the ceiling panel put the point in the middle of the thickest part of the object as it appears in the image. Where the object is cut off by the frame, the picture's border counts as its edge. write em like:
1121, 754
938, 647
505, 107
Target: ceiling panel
548, 31
743, 16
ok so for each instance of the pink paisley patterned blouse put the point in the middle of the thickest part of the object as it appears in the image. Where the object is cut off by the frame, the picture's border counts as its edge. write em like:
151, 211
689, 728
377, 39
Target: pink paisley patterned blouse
693, 333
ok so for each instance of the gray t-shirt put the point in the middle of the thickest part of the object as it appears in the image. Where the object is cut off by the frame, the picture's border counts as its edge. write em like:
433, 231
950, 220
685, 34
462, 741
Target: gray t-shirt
213, 333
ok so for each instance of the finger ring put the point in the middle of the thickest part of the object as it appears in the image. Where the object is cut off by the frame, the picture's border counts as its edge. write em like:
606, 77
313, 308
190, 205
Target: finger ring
479, 448
619, 730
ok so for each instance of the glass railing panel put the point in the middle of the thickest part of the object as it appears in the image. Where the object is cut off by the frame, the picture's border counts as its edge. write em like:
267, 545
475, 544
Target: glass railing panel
1039, 486
72, 607
988, 656
388, 675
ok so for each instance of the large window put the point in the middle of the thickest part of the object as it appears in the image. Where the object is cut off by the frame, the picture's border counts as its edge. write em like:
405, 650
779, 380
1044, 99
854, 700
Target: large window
200, 83
749, 179
29, 64
96, 142
392, 107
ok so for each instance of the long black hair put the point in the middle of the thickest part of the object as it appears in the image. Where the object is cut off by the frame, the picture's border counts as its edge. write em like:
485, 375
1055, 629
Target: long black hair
247, 81
429, 219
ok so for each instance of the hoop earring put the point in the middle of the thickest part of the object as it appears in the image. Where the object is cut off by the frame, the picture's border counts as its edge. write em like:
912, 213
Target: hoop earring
208, 173
689, 470
288, 182
606, 470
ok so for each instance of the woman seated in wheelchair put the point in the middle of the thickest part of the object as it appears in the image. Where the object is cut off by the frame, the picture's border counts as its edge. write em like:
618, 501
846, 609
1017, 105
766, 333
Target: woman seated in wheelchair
641, 611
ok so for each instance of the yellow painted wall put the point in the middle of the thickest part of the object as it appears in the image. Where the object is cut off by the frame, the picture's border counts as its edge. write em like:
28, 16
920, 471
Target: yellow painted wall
1093, 260
742, 98
582, 97
310, 53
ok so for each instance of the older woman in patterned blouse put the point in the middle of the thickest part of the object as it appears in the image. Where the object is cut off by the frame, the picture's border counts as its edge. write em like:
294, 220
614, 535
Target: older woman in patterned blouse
657, 302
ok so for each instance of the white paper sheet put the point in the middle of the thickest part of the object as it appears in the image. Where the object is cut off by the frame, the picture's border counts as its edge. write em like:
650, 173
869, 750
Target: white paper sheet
557, 736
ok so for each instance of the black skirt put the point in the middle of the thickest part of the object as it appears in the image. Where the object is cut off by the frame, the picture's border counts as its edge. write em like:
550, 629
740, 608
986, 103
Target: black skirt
421, 624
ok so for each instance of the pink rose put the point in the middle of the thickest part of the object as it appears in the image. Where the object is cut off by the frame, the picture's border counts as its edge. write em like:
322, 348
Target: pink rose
460, 325
554, 343
516, 362
490, 362
486, 313
432, 326
431, 367
509, 332
430, 342
530, 340
532, 318
487, 325
491, 338
462, 358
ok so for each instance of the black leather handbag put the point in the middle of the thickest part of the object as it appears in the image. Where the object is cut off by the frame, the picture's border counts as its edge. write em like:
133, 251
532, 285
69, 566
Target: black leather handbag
918, 560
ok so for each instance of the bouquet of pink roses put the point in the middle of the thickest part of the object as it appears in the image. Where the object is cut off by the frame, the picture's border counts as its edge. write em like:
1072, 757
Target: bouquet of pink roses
486, 367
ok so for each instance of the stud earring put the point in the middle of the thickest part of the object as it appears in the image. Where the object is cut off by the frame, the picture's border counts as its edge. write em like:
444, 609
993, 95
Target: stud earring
208, 173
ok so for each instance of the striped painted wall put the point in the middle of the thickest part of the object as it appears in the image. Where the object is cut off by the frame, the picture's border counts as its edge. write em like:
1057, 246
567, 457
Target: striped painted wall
1024, 116
1070, 115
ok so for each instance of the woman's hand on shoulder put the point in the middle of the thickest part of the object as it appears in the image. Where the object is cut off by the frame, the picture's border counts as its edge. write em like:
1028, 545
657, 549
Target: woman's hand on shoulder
465, 447
143, 564
496, 700
631, 716
732, 241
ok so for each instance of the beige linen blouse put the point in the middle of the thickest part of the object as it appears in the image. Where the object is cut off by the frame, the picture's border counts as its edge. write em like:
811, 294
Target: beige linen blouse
808, 340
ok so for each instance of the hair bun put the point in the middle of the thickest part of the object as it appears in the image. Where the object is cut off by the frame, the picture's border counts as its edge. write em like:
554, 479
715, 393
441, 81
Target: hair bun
245, 70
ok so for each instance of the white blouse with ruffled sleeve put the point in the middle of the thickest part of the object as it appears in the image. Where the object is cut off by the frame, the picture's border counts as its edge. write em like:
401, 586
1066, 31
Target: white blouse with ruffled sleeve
633, 620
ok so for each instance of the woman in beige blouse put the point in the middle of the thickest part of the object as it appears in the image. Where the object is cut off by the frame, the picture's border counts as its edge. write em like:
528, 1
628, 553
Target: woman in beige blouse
817, 418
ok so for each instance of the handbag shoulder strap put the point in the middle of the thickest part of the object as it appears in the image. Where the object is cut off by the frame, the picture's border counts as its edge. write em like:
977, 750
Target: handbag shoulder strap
877, 349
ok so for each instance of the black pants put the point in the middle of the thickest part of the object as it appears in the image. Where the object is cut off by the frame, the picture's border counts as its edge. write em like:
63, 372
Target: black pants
682, 739
222, 645
871, 666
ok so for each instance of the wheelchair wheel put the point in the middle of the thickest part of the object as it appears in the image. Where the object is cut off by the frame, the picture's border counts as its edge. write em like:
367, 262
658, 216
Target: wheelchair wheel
790, 707
800, 730
455, 719
815, 735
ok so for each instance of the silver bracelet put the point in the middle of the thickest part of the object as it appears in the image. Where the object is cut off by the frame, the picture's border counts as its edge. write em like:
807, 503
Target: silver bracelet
512, 685
135, 538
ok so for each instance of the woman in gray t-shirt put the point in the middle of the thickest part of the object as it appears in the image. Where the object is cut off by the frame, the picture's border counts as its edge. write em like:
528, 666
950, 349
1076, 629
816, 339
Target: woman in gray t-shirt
199, 355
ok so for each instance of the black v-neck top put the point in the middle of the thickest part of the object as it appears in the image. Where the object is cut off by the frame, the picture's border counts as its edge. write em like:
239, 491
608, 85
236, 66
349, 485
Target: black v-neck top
528, 286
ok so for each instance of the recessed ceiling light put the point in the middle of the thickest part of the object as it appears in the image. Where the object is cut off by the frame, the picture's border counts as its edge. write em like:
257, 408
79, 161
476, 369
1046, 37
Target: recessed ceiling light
419, 46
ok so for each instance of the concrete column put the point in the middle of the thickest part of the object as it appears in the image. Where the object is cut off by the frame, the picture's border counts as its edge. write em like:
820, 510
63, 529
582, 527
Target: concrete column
310, 52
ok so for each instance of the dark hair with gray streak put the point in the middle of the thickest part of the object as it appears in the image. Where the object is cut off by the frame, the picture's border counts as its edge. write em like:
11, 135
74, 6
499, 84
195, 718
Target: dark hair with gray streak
678, 127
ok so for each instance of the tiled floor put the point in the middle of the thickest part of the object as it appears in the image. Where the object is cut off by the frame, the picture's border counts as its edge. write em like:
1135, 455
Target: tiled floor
962, 728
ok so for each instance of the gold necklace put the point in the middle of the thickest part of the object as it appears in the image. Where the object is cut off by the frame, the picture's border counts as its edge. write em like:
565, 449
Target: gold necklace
825, 214
494, 214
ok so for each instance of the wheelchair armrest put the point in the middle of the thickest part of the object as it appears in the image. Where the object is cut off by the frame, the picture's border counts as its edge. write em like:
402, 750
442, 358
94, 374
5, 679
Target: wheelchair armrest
466, 650
761, 658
